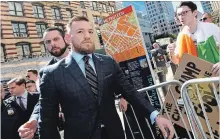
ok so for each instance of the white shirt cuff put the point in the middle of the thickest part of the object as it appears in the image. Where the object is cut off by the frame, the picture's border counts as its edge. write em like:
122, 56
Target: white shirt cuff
153, 115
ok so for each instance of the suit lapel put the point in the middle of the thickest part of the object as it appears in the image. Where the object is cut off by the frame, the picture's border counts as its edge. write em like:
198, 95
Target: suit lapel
16, 104
74, 70
52, 61
98, 61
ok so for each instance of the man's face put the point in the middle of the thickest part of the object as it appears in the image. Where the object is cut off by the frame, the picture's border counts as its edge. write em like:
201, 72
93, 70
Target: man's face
31, 87
185, 15
16, 89
155, 45
54, 43
81, 37
206, 18
31, 76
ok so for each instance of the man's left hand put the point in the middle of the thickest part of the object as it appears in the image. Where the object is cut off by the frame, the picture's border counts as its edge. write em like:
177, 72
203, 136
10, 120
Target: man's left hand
163, 123
123, 105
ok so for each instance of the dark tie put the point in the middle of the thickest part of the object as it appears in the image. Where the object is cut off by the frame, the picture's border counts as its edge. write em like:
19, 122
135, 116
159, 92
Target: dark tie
91, 76
21, 104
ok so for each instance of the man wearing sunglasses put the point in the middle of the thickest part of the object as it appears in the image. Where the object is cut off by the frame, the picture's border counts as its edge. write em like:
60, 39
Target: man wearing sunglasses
206, 17
192, 34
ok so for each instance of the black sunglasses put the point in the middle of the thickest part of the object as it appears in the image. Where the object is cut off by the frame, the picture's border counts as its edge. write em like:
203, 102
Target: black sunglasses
203, 19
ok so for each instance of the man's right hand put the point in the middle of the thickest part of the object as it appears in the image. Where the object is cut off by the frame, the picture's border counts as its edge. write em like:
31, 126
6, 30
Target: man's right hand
27, 130
171, 48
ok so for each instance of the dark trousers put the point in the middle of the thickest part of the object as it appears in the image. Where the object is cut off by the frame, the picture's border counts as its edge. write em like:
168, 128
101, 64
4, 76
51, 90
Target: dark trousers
100, 133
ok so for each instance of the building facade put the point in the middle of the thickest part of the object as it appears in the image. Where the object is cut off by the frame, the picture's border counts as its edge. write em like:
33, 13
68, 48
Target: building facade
216, 12
23, 23
143, 19
207, 6
161, 15
215, 5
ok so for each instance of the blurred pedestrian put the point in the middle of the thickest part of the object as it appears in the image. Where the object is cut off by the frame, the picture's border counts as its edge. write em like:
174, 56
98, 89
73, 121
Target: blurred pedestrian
31, 87
206, 17
16, 110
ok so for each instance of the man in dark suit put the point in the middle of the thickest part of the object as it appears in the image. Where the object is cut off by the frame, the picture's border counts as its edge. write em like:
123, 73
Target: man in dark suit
56, 45
84, 84
16, 110
59, 49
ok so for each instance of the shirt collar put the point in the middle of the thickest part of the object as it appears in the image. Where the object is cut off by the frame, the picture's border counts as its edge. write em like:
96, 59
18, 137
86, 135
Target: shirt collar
78, 57
24, 95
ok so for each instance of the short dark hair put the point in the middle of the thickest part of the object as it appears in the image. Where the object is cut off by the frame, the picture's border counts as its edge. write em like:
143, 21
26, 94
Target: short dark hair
62, 33
18, 81
30, 81
33, 71
189, 4
75, 18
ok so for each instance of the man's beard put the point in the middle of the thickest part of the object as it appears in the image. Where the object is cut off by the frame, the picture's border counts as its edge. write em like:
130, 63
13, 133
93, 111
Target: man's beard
83, 51
59, 53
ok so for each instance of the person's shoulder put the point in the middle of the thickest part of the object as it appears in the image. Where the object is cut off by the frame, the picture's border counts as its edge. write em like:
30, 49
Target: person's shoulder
105, 57
8, 101
54, 66
33, 94
208, 26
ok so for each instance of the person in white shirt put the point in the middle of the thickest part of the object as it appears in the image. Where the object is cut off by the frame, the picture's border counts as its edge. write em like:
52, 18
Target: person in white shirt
195, 30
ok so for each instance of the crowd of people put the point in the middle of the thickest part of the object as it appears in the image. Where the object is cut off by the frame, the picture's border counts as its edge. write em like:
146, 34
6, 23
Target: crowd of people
75, 91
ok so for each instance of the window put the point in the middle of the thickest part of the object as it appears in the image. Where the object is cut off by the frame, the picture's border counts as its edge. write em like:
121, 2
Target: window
94, 6
84, 13
69, 13
23, 49
41, 27
15, 8
82, 5
3, 53
60, 26
19, 29
56, 13
38, 11
104, 8
43, 48
66, 2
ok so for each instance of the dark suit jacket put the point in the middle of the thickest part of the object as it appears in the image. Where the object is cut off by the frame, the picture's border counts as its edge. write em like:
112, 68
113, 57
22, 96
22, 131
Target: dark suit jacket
11, 123
64, 83
35, 114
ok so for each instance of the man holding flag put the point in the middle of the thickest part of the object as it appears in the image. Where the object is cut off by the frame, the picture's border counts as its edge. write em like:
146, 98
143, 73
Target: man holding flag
196, 38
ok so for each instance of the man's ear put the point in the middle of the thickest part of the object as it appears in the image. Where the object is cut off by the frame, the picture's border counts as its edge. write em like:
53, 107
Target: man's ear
67, 38
195, 13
